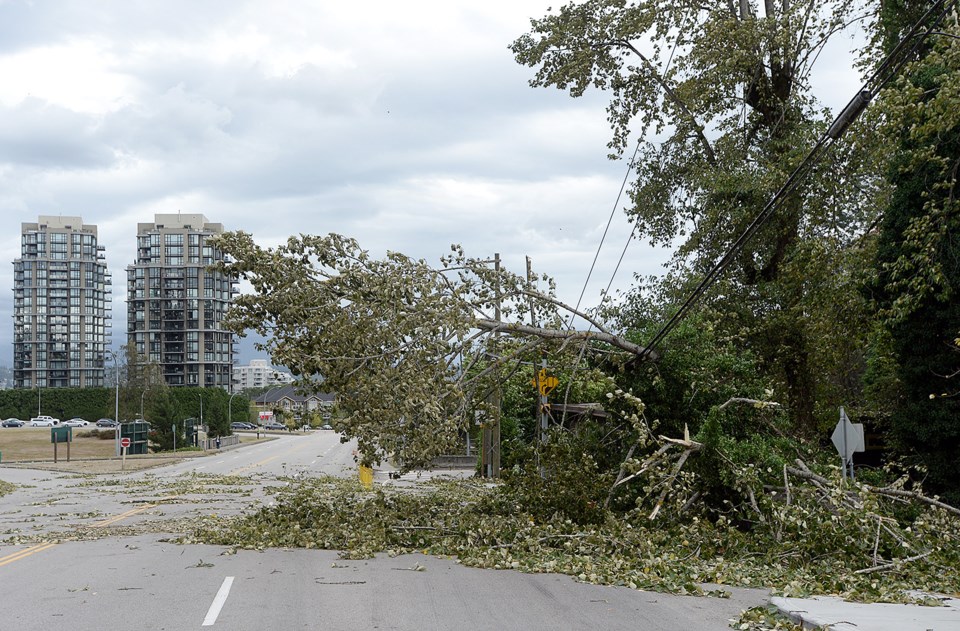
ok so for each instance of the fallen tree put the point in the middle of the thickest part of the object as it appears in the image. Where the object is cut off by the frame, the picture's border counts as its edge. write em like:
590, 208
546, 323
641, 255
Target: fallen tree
410, 349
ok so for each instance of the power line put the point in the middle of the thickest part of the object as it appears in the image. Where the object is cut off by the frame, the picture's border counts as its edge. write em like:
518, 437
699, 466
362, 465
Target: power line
623, 185
888, 69
630, 166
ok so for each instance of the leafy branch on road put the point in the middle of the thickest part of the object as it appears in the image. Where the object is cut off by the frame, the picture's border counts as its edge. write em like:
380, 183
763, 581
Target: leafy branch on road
815, 544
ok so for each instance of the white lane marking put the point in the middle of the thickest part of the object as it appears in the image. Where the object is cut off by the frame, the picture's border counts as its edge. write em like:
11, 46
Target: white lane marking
313, 463
217, 603
203, 466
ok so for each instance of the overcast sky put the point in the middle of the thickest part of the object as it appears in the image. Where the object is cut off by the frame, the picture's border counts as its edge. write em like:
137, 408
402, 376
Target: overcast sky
406, 125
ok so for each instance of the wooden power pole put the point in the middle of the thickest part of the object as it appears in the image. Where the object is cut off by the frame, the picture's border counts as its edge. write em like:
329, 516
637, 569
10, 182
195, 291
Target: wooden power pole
490, 447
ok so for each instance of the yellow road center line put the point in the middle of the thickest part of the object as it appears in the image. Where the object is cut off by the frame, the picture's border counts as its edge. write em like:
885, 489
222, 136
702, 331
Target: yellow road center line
266, 460
22, 554
255, 464
129, 513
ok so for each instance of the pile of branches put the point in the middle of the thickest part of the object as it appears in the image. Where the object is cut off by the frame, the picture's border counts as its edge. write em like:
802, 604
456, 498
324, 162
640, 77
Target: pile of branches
709, 509
827, 537
806, 515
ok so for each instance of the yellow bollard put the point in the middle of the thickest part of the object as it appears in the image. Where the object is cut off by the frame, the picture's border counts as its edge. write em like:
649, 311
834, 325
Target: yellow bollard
366, 477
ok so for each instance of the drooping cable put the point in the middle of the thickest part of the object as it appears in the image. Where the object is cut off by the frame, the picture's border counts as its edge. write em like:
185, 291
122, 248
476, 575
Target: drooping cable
885, 72
616, 204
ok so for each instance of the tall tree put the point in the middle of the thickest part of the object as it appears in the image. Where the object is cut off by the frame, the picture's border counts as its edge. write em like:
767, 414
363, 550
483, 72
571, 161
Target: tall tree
724, 89
918, 253
141, 382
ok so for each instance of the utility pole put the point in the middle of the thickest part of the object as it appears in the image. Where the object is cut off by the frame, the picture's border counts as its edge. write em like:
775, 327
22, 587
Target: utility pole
495, 447
543, 408
490, 437
542, 417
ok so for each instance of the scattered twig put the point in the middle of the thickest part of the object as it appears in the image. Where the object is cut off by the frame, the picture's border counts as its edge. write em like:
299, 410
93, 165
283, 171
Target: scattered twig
415, 528
668, 483
200, 563
899, 493
416, 568
753, 503
876, 542
547, 538
695, 553
644, 465
802, 471
754, 402
786, 483
620, 475
894, 564
689, 502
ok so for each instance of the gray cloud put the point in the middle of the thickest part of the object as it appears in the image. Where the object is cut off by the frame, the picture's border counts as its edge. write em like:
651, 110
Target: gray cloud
42, 135
406, 125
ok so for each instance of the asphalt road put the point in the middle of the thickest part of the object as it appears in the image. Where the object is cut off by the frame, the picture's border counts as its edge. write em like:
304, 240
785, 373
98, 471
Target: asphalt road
315, 453
81, 552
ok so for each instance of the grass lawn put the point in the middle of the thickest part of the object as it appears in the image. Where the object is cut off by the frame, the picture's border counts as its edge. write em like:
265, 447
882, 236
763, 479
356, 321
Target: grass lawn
33, 443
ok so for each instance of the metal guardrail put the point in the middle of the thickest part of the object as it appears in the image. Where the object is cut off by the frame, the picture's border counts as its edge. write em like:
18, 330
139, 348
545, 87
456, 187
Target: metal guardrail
225, 441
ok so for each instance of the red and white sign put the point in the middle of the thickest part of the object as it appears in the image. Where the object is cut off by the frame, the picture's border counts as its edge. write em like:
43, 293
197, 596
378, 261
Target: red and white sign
124, 442
266, 416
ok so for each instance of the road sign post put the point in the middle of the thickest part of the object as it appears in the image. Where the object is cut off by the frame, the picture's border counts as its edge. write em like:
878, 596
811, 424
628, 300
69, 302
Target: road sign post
847, 437
544, 384
62, 434
124, 444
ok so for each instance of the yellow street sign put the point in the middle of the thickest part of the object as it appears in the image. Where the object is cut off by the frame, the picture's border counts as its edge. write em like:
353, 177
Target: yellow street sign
545, 383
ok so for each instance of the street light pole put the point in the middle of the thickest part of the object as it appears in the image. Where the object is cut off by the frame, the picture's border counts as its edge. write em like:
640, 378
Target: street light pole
230, 407
116, 401
116, 395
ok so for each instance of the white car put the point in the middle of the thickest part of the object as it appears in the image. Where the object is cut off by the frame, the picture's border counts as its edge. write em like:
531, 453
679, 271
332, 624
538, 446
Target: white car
43, 421
76, 422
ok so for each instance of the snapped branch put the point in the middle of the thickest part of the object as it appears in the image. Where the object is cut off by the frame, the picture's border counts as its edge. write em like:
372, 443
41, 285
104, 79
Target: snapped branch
495, 326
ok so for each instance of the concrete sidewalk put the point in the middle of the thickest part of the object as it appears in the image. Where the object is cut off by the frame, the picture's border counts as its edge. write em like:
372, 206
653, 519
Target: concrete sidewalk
835, 614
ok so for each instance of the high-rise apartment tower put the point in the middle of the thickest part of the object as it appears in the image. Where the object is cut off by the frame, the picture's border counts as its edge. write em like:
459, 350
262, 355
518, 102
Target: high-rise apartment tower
61, 308
175, 305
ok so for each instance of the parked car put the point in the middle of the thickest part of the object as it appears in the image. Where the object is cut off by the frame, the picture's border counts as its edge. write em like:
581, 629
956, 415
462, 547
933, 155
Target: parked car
327, 426
107, 422
274, 426
44, 421
12, 422
238, 425
76, 422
